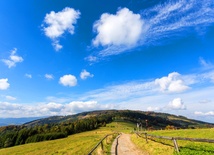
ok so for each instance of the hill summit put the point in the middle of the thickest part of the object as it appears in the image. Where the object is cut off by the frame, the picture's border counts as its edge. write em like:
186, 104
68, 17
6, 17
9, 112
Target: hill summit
150, 119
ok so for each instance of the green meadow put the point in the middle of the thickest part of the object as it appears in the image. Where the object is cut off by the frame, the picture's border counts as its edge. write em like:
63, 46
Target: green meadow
82, 143
78, 144
166, 147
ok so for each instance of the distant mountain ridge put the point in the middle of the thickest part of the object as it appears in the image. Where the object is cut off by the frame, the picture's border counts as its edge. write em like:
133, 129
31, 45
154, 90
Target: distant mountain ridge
152, 119
17, 121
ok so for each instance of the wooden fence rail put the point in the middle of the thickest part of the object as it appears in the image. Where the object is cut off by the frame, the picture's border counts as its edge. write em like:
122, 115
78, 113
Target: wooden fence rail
100, 143
174, 139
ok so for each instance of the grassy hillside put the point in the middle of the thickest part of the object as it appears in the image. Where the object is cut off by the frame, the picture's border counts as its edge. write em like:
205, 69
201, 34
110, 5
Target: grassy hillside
78, 144
82, 143
62, 126
155, 120
165, 147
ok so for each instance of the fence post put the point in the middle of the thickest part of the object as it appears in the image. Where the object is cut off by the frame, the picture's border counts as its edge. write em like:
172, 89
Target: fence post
102, 145
146, 137
175, 144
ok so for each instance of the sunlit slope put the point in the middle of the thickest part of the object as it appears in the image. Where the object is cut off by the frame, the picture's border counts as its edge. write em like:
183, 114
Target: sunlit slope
155, 120
166, 147
76, 144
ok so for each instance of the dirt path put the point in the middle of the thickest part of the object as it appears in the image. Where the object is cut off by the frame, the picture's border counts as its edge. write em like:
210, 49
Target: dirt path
124, 146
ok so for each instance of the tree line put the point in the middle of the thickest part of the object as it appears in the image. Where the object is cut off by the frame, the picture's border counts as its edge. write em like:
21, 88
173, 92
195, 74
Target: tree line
17, 135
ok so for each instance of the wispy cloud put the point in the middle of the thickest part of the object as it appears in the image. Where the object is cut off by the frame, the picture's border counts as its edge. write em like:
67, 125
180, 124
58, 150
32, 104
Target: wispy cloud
49, 76
210, 113
206, 65
174, 18
57, 23
28, 76
11, 98
13, 59
153, 25
174, 83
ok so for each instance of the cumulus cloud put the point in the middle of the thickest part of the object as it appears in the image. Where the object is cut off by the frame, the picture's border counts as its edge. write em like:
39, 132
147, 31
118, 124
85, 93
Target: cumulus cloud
176, 104
57, 23
10, 98
49, 76
210, 113
122, 29
85, 74
125, 30
13, 59
68, 80
28, 76
4, 84
172, 83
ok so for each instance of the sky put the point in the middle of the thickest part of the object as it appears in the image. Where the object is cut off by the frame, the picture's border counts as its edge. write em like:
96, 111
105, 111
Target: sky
61, 57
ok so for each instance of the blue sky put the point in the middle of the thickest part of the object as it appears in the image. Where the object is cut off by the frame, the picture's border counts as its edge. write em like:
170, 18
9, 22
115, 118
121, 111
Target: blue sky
64, 57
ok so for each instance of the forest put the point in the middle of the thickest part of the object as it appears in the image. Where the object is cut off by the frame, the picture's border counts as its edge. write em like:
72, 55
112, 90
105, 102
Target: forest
17, 135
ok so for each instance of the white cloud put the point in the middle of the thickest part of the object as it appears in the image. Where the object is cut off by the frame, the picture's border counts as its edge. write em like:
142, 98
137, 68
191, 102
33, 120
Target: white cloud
176, 17
91, 58
49, 109
10, 98
152, 26
176, 104
133, 95
57, 23
49, 76
124, 28
154, 108
172, 83
84, 74
28, 76
4, 84
57, 45
13, 59
80, 106
6, 106
210, 113
68, 80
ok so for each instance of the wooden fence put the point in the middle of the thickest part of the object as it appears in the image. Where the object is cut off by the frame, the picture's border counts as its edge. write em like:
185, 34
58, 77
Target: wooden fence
174, 139
100, 143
